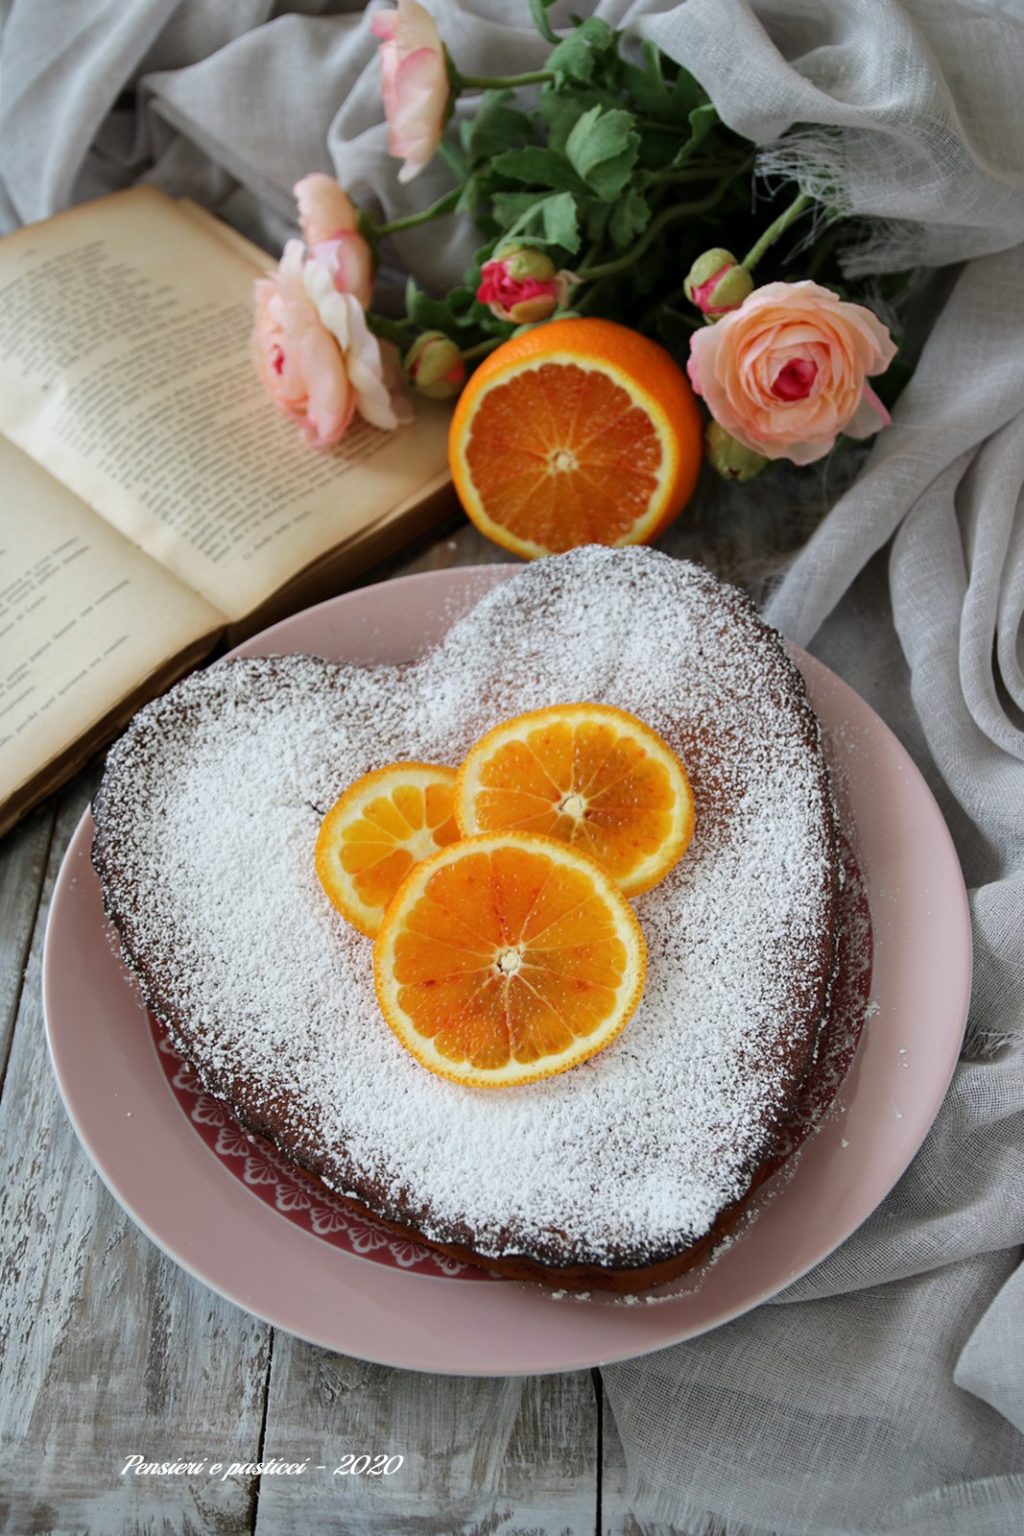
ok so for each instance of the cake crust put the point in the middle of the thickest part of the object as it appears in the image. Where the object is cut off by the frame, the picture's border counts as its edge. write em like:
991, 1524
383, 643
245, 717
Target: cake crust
619, 1175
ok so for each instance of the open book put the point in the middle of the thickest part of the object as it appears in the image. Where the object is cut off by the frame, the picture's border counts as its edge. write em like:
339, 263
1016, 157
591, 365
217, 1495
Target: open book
153, 502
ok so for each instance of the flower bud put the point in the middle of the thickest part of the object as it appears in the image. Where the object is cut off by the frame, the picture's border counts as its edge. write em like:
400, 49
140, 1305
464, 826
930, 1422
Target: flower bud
717, 283
732, 460
522, 263
521, 285
435, 366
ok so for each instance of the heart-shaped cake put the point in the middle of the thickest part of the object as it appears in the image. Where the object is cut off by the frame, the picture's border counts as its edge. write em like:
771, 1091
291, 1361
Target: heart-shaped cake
619, 1173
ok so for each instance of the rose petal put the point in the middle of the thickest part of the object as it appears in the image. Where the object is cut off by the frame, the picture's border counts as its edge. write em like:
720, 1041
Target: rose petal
869, 417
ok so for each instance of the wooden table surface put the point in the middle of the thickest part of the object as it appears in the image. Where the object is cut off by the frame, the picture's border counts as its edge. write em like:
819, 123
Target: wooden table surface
109, 1349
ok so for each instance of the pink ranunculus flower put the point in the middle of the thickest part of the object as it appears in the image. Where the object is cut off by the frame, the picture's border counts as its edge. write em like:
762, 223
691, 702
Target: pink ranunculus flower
788, 371
329, 221
521, 285
315, 355
414, 84
325, 208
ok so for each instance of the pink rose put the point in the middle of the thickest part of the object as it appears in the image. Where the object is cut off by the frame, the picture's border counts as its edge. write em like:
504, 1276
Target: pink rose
329, 222
315, 355
787, 371
414, 84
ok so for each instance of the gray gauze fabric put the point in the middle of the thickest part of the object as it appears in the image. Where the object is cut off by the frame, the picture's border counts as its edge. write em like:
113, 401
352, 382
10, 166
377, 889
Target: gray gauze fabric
885, 1391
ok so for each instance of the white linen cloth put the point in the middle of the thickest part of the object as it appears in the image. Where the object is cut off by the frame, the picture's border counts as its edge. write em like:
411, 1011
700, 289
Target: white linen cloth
884, 1392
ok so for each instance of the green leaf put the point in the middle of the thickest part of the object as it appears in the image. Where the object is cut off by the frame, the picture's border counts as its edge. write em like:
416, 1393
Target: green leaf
430, 314
398, 331
647, 86
561, 112
544, 167
630, 217
507, 207
702, 119
649, 96
669, 100
603, 148
577, 56
550, 221
687, 94
495, 127
461, 299
539, 12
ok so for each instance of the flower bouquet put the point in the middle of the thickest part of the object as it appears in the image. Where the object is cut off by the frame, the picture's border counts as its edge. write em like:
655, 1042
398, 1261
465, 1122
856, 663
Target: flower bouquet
609, 198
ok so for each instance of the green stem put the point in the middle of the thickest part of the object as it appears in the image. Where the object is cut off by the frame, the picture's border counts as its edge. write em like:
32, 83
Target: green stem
443, 205
539, 12
698, 172
647, 239
482, 348
774, 230
504, 82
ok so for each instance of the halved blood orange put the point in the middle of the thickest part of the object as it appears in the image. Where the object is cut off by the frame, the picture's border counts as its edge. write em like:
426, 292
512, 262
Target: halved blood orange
590, 775
508, 958
384, 823
580, 431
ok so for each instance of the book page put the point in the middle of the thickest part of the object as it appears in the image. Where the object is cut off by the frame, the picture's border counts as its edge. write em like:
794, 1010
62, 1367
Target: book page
85, 618
224, 232
125, 370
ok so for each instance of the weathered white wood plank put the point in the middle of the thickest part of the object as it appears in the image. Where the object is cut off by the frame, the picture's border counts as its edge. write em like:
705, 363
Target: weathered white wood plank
501, 1456
22, 866
108, 1349
551, 1470
618, 1513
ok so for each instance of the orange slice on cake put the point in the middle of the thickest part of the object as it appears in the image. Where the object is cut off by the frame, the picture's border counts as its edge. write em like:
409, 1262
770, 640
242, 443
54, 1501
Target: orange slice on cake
589, 775
384, 824
508, 958
580, 431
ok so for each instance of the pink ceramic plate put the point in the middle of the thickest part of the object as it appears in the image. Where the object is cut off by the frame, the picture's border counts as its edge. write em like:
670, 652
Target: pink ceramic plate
189, 1201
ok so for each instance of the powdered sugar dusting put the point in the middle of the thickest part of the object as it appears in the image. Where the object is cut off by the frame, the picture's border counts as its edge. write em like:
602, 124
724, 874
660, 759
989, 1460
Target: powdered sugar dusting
207, 819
